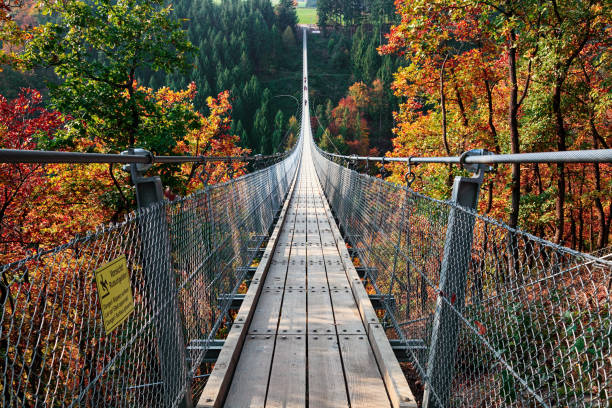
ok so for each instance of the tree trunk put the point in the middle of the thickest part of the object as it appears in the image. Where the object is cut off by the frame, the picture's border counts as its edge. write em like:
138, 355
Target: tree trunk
461, 107
514, 133
443, 105
561, 146
492, 128
132, 130
571, 192
602, 237
449, 181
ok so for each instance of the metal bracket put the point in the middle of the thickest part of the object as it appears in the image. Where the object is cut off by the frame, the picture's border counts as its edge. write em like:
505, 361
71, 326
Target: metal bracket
477, 168
149, 190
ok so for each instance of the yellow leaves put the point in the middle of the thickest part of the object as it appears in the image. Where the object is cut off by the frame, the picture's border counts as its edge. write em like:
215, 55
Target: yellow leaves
360, 94
167, 97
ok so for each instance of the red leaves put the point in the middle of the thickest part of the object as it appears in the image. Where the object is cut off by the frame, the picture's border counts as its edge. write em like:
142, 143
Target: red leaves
453, 297
23, 122
481, 327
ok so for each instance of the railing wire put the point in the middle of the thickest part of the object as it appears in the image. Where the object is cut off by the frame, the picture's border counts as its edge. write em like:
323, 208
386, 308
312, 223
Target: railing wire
535, 328
53, 347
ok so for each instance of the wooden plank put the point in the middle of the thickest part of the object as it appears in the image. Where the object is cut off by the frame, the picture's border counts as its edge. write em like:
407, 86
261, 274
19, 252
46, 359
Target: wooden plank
326, 386
288, 376
320, 315
363, 380
368, 314
293, 313
296, 274
296, 278
267, 312
276, 276
399, 392
336, 276
317, 279
250, 380
346, 314
221, 376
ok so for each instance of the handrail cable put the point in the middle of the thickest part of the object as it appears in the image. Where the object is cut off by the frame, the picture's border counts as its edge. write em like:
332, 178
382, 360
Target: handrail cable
43, 156
575, 156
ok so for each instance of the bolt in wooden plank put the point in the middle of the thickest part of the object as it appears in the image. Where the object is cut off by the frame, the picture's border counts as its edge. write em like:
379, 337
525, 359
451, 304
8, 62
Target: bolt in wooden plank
267, 312
293, 313
320, 315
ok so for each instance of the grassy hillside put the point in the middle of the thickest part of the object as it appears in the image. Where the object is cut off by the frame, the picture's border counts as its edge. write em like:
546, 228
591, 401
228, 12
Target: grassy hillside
307, 15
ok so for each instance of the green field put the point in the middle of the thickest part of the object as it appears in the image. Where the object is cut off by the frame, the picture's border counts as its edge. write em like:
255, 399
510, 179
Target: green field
307, 15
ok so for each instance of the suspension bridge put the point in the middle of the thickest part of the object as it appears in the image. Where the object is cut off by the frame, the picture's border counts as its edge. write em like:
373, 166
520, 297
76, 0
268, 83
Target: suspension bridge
306, 283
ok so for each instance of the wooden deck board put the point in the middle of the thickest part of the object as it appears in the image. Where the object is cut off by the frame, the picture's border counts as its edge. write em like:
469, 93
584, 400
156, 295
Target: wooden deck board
320, 314
250, 380
326, 386
307, 344
293, 313
346, 313
365, 385
265, 318
288, 375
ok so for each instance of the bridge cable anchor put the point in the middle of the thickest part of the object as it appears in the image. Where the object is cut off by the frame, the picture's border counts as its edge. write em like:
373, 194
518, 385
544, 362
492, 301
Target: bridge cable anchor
230, 169
383, 170
204, 172
410, 176
477, 168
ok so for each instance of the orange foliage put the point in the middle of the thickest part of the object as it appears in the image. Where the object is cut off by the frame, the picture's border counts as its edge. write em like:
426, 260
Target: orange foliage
458, 52
42, 206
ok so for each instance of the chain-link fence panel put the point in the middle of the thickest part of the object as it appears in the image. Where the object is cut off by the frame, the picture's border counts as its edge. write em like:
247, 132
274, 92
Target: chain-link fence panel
527, 324
183, 258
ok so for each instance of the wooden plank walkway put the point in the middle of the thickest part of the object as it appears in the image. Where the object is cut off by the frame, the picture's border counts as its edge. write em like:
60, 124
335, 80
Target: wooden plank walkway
306, 334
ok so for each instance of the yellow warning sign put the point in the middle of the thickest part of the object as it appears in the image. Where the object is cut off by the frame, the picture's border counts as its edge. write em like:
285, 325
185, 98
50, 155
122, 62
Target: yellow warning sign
114, 293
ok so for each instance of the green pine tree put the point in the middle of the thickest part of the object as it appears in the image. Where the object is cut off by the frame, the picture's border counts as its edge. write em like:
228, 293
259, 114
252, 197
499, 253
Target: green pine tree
286, 13
277, 135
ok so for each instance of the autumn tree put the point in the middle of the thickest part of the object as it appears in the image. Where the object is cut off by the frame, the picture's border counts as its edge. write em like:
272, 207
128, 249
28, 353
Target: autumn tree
11, 34
23, 123
97, 49
509, 76
214, 137
348, 119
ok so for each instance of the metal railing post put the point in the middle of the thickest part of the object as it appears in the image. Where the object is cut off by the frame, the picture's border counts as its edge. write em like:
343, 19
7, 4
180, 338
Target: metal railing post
453, 277
161, 283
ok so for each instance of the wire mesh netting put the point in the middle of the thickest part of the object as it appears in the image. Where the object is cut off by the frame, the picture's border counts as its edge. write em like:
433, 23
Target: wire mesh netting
183, 258
528, 324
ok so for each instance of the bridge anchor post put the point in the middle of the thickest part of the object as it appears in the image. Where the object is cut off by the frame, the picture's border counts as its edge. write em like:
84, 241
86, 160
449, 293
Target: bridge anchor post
453, 276
160, 283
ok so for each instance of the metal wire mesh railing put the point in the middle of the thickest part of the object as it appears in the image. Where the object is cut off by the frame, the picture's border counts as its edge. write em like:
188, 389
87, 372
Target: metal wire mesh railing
181, 257
527, 324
